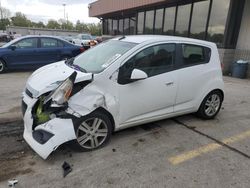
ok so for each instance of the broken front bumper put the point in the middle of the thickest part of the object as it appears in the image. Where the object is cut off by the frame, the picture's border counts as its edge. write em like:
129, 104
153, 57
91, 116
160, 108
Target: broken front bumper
46, 137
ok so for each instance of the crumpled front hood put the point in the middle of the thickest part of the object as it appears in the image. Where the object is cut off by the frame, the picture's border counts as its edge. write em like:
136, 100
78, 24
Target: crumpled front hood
49, 77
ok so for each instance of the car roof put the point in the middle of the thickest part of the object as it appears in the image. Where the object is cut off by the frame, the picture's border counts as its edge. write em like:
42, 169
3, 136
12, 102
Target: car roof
30, 36
151, 38
33, 36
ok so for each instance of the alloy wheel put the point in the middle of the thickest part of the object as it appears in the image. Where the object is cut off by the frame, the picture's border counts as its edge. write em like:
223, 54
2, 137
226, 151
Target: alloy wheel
212, 104
1, 66
92, 133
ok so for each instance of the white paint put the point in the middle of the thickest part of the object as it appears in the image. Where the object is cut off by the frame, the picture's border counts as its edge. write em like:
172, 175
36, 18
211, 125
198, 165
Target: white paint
165, 95
138, 75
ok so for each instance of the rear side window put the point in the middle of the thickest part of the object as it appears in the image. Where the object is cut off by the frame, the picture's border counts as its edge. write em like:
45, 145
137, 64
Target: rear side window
50, 43
60, 43
194, 54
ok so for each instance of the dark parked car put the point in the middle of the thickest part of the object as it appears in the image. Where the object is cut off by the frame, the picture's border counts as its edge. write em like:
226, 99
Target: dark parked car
31, 52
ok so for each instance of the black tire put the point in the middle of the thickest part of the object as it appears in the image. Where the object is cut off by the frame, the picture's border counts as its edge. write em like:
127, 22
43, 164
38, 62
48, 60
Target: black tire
89, 119
2, 66
203, 110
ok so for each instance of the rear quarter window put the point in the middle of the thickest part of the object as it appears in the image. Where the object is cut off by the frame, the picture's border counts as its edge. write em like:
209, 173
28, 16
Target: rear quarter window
195, 54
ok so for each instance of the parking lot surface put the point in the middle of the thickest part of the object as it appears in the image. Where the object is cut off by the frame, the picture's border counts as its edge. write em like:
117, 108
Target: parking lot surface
179, 152
11, 87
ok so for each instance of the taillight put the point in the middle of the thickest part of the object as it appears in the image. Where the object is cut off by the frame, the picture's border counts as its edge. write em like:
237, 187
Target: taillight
92, 43
82, 49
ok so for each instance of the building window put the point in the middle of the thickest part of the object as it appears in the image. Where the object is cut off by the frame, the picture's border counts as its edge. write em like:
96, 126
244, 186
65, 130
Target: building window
169, 18
182, 21
115, 27
140, 23
126, 26
105, 26
199, 19
158, 21
217, 21
132, 21
120, 27
149, 22
110, 26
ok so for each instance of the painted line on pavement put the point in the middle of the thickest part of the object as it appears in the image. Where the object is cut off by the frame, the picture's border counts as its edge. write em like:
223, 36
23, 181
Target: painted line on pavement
210, 147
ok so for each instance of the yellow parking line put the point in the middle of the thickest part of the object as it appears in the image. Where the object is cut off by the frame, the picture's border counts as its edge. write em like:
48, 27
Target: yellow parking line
205, 149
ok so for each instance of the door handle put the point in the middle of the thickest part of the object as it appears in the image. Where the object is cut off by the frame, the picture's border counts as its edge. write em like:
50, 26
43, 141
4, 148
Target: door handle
169, 83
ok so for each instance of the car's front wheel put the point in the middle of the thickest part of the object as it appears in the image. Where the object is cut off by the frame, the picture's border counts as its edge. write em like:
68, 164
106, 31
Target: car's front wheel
2, 67
211, 105
92, 131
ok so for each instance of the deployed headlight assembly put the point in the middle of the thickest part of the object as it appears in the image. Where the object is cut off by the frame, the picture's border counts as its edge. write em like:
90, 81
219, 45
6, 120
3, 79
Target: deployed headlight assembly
61, 95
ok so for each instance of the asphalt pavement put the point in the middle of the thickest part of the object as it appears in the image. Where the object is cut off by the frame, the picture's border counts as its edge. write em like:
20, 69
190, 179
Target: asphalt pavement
179, 152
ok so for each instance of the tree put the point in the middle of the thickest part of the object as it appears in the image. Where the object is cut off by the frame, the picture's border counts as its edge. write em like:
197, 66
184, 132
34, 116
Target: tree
40, 24
81, 27
4, 13
37, 24
3, 23
20, 20
53, 24
67, 25
95, 29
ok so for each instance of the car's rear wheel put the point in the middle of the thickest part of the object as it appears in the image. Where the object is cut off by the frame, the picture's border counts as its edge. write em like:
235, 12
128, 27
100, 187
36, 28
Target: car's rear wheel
2, 67
211, 105
92, 131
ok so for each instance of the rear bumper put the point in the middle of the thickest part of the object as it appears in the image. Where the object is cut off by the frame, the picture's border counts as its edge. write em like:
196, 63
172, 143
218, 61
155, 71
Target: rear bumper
60, 130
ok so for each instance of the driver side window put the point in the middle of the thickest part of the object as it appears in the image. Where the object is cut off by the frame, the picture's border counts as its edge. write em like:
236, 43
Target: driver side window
153, 61
26, 43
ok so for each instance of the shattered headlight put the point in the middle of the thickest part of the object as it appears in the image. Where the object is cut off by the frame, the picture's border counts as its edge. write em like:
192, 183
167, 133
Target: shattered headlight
62, 93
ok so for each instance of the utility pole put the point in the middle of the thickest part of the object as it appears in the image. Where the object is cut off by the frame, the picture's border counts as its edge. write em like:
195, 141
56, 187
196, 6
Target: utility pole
64, 5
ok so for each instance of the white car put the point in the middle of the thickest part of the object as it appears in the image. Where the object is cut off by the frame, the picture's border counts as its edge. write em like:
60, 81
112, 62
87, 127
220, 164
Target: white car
120, 83
84, 40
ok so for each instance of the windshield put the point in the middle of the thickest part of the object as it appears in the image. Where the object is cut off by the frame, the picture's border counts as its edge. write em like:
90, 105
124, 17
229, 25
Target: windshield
10, 43
96, 59
86, 37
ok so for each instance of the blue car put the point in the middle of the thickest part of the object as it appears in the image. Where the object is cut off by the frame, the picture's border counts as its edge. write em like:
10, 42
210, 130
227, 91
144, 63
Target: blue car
31, 52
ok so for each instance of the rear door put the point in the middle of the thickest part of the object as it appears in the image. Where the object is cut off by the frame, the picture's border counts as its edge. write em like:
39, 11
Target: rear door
50, 50
194, 71
24, 55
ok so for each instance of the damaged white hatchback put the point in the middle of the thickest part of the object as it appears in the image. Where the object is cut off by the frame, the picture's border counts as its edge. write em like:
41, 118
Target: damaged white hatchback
120, 83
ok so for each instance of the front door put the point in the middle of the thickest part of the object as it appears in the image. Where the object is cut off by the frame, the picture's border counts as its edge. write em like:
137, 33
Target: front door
25, 53
153, 96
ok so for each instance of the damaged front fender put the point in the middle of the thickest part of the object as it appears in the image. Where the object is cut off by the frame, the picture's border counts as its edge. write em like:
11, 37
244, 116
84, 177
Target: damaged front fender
91, 98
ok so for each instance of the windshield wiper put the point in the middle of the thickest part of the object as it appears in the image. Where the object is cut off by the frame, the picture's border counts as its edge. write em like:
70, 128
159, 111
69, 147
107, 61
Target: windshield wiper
70, 62
76, 67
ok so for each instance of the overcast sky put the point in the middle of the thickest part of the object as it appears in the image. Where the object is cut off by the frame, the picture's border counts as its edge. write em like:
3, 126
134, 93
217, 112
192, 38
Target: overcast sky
43, 10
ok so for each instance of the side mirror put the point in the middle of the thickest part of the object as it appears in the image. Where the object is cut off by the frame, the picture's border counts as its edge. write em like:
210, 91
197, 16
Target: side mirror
138, 75
12, 47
